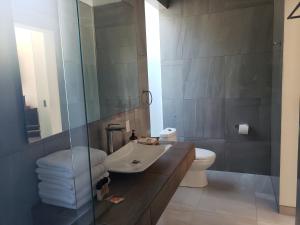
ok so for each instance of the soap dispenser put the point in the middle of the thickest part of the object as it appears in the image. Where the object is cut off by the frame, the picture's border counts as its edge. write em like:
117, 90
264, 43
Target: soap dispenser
133, 138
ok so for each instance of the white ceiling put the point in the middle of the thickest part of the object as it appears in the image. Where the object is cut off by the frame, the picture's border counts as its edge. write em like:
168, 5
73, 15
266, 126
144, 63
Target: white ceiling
94, 3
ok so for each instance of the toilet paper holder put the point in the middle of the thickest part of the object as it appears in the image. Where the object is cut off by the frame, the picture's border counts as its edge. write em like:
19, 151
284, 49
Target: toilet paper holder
237, 127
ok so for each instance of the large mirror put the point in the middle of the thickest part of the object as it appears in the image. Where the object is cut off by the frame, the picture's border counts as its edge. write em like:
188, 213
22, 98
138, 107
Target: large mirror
48, 50
39, 77
109, 49
50, 76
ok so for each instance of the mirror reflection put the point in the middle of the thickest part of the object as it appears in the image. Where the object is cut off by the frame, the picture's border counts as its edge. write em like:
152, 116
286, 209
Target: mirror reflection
39, 77
109, 62
109, 50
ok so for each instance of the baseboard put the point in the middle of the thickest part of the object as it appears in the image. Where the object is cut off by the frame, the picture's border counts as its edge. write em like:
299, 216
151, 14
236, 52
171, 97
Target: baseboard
286, 210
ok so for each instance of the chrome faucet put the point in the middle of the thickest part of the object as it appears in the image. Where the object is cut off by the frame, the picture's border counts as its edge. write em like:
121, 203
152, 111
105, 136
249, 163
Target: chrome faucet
109, 133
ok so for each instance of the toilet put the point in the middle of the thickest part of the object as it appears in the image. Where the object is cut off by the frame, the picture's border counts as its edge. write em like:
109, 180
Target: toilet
196, 175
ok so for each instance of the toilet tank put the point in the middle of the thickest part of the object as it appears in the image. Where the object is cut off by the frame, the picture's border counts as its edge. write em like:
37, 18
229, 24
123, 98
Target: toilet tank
168, 134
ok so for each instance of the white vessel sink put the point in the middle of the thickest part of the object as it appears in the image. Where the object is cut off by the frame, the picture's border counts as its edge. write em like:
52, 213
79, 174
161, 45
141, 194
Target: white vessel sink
134, 158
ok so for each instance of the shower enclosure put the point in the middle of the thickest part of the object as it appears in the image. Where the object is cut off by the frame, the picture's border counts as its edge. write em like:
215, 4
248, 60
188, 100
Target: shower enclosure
68, 69
42, 106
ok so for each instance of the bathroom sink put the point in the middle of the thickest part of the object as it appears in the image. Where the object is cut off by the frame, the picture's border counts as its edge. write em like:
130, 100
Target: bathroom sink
134, 158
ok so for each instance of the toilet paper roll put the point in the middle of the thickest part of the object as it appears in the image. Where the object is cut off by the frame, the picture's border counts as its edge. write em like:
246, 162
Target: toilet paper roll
243, 129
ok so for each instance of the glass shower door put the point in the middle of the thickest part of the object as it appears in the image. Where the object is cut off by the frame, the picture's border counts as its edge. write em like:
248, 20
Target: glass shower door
43, 114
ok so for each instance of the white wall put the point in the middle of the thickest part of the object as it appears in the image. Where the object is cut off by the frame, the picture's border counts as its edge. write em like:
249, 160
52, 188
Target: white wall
290, 108
53, 85
26, 63
37, 60
154, 68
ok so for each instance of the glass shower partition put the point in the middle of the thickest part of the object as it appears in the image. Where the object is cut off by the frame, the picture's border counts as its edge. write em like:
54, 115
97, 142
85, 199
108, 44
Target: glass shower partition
42, 112
76, 104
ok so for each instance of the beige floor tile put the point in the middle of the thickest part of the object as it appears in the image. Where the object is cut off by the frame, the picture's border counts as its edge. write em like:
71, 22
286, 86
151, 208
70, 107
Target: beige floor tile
187, 197
175, 217
270, 216
208, 218
228, 206
267, 212
220, 197
229, 199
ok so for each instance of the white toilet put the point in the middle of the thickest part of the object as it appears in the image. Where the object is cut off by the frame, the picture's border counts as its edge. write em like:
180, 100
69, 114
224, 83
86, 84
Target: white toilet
196, 176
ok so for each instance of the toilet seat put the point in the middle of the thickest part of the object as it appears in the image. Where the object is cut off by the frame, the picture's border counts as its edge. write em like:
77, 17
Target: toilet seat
204, 155
195, 176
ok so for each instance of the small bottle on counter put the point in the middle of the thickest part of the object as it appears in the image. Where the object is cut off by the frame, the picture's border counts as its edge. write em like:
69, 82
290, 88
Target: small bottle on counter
133, 138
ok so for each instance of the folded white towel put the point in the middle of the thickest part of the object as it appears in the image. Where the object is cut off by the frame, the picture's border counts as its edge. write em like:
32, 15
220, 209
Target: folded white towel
70, 184
67, 196
72, 162
96, 171
76, 205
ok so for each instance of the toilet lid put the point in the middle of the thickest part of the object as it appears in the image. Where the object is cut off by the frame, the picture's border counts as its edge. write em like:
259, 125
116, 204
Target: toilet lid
204, 154
168, 132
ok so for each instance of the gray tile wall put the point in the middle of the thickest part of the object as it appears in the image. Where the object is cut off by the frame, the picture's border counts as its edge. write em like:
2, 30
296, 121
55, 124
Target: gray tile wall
138, 116
216, 58
89, 59
116, 43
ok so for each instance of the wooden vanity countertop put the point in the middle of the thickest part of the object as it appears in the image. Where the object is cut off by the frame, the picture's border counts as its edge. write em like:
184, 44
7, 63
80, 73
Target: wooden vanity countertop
146, 194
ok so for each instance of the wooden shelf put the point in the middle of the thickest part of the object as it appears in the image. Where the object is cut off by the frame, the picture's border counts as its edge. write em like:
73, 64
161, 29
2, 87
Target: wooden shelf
146, 194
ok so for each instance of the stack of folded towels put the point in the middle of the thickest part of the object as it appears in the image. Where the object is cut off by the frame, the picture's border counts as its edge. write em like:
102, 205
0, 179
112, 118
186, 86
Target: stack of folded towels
65, 176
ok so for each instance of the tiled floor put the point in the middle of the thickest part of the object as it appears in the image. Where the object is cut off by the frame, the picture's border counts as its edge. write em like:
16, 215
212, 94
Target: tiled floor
229, 199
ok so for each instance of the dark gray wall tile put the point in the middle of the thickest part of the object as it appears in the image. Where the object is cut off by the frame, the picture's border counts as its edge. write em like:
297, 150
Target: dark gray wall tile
57, 142
223, 5
172, 81
194, 31
226, 32
171, 40
142, 121
248, 157
94, 134
248, 75
196, 78
118, 55
204, 78
186, 8
210, 117
190, 126
259, 33
183, 30
105, 15
116, 36
195, 7
141, 28
19, 185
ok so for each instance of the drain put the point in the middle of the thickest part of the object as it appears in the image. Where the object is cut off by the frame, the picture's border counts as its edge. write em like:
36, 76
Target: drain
136, 162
